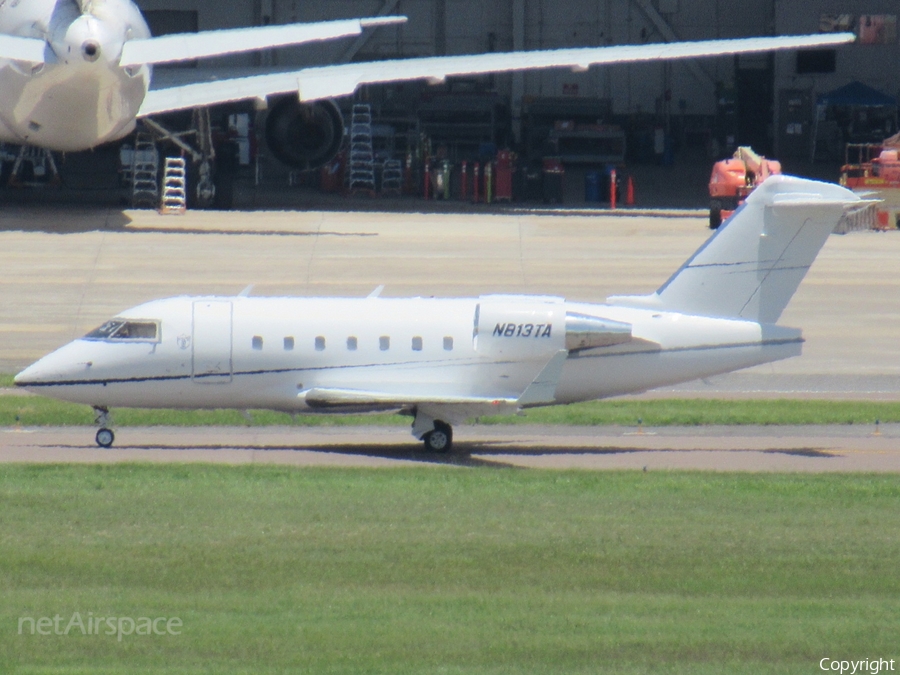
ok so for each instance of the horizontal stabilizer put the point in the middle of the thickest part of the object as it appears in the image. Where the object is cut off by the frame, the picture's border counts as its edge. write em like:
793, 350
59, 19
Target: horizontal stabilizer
190, 46
342, 80
30, 50
751, 267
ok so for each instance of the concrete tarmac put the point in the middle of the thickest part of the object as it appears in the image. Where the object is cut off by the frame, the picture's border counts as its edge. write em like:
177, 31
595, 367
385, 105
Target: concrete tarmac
66, 270
756, 449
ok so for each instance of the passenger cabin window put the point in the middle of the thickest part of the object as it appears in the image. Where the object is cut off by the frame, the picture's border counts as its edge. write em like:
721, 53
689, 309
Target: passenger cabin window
320, 343
288, 344
417, 344
257, 342
352, 343
384, 343
448, 344
120, 329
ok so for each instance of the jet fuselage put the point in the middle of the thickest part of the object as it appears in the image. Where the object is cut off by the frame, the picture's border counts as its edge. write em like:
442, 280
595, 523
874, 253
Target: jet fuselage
252, 353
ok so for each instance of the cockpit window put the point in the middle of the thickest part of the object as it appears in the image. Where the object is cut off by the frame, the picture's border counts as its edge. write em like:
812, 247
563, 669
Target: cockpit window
119, 329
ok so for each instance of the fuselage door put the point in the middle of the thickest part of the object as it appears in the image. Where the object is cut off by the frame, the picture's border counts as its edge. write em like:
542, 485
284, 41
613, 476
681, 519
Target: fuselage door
211, 356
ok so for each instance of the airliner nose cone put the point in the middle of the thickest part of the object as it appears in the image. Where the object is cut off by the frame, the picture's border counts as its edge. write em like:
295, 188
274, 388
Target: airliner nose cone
90, 50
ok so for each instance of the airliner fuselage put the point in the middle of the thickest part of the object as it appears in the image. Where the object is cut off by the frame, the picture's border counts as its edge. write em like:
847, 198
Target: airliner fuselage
79, 97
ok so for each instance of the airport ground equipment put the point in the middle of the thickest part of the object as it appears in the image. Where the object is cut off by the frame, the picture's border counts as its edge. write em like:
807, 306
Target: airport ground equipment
733, 179
874, 169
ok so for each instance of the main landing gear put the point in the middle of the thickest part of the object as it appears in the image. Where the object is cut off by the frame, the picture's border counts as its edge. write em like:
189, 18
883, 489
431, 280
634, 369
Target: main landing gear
436, 434
439, 439
105, 436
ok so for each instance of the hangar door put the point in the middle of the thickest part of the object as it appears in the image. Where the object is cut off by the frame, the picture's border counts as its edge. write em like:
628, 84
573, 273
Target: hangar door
211, 356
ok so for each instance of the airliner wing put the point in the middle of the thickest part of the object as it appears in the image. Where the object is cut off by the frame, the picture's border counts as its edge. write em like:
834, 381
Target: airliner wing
17, 48
190, 46
342, 80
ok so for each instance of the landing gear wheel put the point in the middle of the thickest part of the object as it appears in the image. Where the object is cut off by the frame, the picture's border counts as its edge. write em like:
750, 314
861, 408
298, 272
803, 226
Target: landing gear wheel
440, 439
105, 438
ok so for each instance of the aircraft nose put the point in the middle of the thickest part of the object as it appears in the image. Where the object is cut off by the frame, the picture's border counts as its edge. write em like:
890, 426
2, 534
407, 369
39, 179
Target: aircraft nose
31, 375
88, 38
41, 372
63, 365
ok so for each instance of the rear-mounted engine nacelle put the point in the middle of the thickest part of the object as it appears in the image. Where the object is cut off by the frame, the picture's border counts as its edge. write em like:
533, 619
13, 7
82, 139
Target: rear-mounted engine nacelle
589, 332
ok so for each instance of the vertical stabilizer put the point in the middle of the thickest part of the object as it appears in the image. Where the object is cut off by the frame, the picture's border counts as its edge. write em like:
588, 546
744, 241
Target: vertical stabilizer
753, 264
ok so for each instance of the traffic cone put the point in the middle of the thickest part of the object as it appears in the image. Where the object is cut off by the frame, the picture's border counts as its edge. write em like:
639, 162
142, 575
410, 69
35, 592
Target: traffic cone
629, 192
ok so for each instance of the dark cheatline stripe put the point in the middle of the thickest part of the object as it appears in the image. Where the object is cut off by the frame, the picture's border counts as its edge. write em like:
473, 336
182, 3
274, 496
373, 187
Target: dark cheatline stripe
172, 378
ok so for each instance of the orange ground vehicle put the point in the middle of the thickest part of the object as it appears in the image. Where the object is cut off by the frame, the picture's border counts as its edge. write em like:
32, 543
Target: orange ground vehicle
733, 179
875, 168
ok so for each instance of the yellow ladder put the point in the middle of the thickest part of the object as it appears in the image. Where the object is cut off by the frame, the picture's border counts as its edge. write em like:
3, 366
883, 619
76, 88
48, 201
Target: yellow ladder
174, 195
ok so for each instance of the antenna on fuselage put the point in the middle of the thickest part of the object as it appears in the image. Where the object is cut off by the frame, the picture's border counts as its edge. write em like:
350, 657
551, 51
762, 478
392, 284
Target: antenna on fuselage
246, 292
376, 293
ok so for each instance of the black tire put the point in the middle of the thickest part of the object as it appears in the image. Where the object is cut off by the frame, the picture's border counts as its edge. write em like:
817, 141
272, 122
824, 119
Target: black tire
105, 438
440, 439
715, 215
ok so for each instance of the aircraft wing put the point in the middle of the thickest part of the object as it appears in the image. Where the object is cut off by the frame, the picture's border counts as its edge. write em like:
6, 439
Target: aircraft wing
328, 397
190, 46
542, 390
17, 48
341, 80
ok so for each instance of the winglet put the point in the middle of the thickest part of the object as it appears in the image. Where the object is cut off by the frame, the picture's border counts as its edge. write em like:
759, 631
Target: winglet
542, 390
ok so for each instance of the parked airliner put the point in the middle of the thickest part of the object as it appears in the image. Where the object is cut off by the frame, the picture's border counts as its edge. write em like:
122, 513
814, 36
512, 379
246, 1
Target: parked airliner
443, 361
77, 73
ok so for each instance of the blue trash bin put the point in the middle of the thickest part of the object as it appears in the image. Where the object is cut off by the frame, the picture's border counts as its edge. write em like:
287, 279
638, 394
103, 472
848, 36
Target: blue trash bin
592, 186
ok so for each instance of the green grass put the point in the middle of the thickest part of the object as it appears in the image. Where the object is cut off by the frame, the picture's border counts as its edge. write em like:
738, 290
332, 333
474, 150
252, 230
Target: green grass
448, 570
38, 411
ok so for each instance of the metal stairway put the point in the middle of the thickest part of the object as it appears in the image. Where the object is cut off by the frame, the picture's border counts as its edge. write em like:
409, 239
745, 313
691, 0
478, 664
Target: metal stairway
391, 177
362, 155
144, 172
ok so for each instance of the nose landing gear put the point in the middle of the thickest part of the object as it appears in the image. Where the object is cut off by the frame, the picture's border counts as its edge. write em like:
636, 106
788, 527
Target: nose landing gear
105, 436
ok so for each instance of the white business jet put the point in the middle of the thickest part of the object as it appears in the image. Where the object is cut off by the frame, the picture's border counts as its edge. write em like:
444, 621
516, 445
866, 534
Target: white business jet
443, 361
77, 73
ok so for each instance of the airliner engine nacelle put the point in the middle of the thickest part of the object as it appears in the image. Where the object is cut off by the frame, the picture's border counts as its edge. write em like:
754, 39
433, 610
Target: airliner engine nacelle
304, 135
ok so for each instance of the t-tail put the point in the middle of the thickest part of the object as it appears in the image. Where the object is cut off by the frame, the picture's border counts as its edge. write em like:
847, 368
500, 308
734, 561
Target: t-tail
751, 267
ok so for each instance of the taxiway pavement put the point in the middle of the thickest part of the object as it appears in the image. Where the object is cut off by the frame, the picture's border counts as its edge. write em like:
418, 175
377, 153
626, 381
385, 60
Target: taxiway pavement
757, 449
